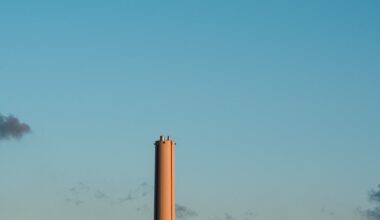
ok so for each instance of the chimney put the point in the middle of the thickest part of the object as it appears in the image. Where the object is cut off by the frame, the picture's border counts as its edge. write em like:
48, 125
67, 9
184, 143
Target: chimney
164, 193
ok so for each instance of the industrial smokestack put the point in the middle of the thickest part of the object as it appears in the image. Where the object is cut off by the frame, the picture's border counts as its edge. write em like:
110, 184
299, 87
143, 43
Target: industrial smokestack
164, 193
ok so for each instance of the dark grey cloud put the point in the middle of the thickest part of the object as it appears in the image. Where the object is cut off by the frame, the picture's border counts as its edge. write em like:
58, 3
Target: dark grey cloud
374, 195
374, 213
11, 127
183, 212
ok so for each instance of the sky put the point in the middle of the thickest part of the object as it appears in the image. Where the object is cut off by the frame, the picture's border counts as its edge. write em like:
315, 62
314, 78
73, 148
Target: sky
273, 105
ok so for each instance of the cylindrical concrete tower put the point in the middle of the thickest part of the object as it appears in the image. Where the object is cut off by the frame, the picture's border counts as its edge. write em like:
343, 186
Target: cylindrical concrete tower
164, 201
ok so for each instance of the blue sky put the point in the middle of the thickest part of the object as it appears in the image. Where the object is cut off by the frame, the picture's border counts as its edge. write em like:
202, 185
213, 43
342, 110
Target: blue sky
274, 107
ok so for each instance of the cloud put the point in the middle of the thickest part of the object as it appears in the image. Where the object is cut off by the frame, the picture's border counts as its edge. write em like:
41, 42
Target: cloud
76, 202
76, 193
100, 195
142, 190
129, 197
374, 195
247, 215
374, 213
228, 217
11, 127
79, 188
327, 211
183, 212
81, 193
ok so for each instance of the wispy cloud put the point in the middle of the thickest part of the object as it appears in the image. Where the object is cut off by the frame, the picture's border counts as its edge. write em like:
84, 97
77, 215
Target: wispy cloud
328, 212
100, 195
81, 192
76, 193
75, 201
374, 195
142, 190
11, 127
129, 197
183, 212
228, 217
374, 213
247, 215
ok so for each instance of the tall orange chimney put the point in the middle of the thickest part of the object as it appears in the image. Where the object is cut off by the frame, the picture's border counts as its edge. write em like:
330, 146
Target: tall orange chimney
164, 193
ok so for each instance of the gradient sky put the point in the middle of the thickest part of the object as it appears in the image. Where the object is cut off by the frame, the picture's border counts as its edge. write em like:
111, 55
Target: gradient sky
274, 106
